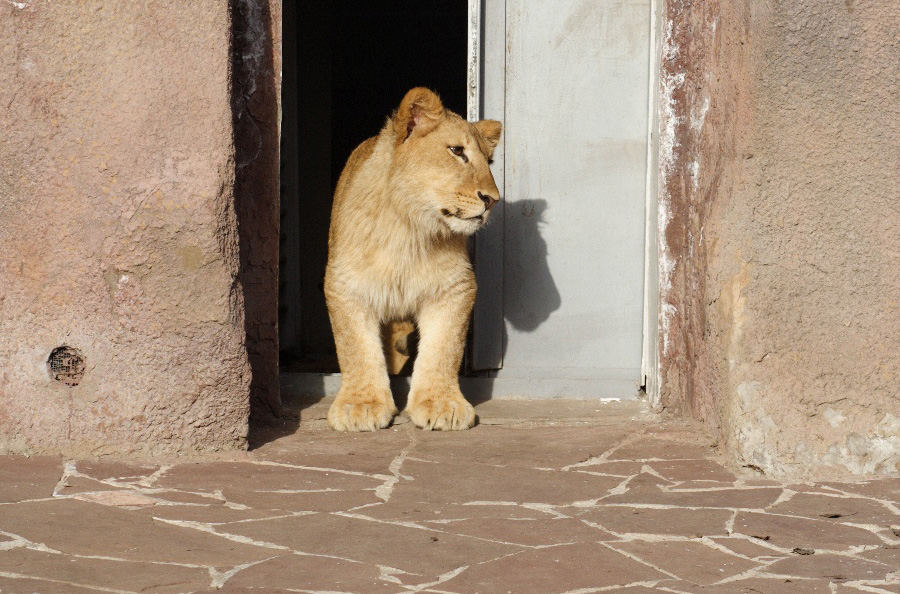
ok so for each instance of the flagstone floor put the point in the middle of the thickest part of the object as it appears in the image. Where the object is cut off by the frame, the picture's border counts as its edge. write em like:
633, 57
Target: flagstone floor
543, 497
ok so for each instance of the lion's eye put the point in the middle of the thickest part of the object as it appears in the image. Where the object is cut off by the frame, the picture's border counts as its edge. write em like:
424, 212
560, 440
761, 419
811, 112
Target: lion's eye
459, 152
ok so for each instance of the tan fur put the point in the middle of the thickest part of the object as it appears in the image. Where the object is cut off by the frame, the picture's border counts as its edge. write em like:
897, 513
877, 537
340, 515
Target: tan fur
396, 339
403, 208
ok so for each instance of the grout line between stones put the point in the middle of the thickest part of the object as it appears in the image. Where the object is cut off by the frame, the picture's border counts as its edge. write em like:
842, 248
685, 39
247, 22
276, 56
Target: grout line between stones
645, 584
21, 576
634, 557
208, 528
386, 489
594, 460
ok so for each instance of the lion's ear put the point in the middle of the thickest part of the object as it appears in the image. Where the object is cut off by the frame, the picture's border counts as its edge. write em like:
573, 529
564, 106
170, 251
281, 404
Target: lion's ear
419, 113
490, 130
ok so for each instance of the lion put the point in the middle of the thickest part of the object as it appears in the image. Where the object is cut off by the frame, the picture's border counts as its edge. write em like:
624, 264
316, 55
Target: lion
404, 206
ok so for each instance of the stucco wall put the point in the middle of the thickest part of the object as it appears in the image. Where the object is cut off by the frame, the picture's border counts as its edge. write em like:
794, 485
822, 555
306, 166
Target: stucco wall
780, 228
118, 232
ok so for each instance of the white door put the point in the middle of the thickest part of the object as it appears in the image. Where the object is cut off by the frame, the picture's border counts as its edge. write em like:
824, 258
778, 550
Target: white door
561, 272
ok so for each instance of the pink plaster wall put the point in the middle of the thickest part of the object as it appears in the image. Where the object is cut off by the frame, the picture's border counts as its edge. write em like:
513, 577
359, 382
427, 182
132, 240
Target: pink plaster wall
780, 231
118, 232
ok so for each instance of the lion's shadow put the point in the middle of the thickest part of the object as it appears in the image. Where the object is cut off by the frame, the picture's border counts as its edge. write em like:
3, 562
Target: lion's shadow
530, 294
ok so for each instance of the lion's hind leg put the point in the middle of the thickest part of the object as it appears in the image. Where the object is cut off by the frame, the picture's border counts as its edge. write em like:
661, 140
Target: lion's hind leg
399, 343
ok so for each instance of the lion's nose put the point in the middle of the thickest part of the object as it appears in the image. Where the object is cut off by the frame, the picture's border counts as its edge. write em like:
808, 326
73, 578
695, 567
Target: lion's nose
489, 201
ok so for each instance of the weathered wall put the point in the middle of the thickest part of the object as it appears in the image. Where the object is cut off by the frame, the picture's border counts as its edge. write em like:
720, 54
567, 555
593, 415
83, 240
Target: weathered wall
704, 116
781, 230
118, 232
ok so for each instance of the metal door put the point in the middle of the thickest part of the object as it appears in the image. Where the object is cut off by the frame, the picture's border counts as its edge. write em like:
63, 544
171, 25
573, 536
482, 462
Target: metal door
561, 270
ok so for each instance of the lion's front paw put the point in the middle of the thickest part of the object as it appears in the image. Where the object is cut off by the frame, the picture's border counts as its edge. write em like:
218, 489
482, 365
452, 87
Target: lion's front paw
349, 413
441, 413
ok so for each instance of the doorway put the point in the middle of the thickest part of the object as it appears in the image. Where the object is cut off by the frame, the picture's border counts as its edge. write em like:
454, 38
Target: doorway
564, 297
347, 65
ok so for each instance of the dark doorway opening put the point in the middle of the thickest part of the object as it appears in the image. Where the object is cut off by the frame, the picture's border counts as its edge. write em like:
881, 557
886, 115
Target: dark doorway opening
346, 66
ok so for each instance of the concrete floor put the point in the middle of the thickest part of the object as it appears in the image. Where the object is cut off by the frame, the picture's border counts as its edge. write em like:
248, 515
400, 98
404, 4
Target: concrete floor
541, 497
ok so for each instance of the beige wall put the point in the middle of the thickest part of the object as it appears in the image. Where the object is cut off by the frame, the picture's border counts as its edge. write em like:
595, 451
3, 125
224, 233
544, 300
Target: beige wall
118, 232
781, 230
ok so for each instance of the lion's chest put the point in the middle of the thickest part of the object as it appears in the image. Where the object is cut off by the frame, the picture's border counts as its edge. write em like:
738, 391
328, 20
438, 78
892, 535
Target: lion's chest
397, 285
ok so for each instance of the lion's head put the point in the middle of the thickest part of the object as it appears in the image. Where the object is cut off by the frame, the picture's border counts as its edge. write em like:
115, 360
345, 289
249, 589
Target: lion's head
440, 166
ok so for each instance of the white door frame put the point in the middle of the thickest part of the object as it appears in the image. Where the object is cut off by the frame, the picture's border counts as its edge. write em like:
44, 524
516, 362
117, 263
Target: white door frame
486, 92
650, 355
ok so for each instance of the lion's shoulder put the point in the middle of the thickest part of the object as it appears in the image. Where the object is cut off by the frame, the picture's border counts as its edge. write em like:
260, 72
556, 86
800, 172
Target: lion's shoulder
357, 158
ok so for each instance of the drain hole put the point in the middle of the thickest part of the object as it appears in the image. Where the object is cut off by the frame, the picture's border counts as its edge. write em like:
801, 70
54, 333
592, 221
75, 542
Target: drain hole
66, 365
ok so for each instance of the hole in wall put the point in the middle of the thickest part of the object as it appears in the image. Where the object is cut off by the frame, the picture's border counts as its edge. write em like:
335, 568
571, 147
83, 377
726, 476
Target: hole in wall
66, 365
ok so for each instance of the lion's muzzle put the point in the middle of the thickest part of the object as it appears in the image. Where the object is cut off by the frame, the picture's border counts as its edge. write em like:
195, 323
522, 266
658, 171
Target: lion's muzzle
489, 201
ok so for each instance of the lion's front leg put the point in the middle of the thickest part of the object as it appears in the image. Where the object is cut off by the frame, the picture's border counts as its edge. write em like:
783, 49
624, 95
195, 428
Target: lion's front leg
435, 401
364, 402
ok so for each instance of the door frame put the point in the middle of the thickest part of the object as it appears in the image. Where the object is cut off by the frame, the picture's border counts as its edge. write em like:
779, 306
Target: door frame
486, 99
486, 92
651, 337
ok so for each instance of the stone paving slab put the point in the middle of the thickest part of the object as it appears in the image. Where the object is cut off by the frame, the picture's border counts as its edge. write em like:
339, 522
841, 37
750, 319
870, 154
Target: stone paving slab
106, 573
543, 497
20, 584
690, 560
564, 568
632, 521
291, 572
27, 478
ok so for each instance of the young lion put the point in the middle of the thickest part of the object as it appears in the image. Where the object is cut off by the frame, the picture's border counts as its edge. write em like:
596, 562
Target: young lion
404, 205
